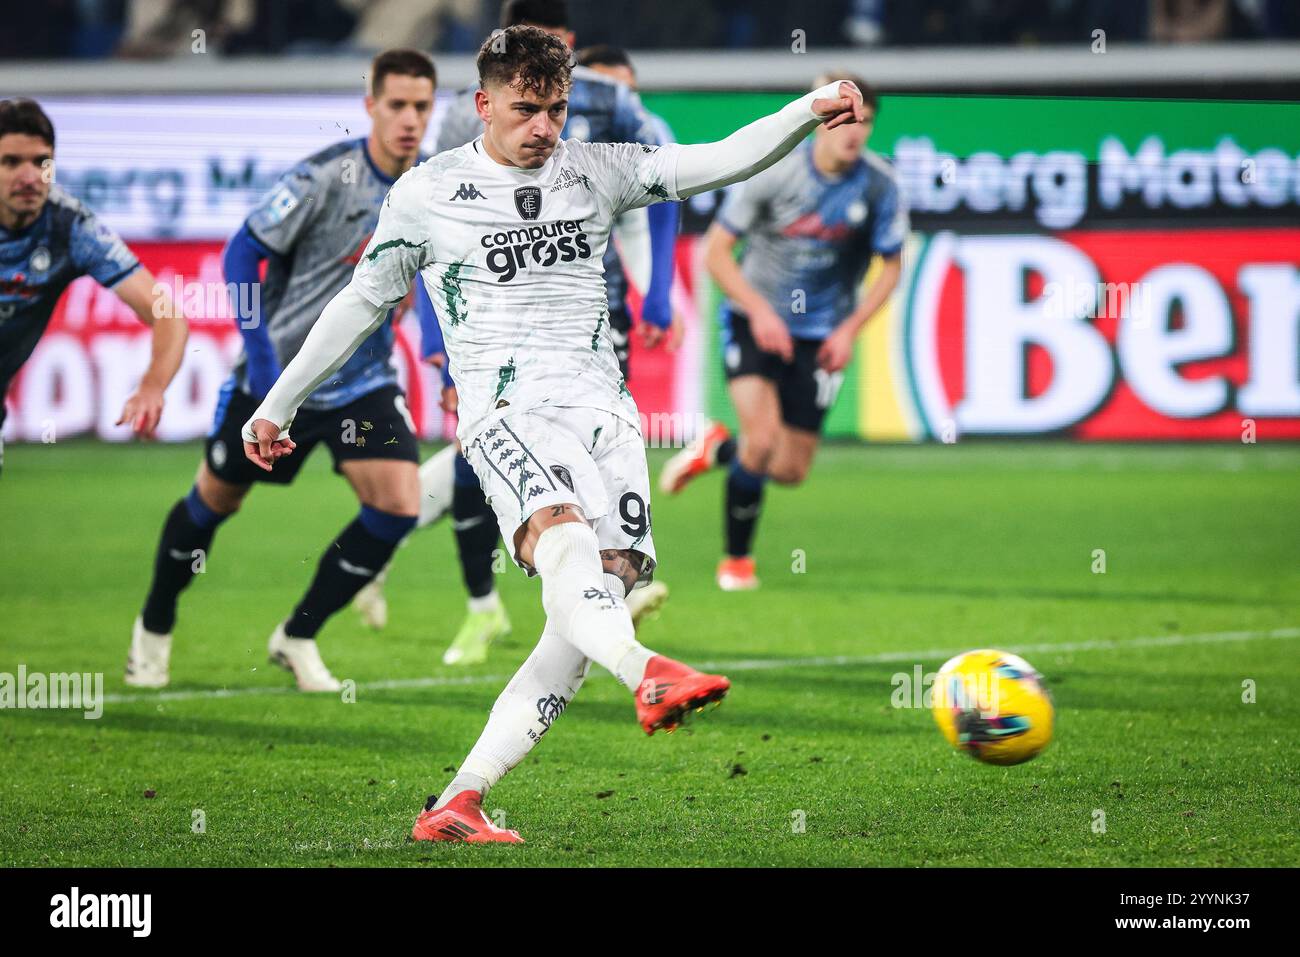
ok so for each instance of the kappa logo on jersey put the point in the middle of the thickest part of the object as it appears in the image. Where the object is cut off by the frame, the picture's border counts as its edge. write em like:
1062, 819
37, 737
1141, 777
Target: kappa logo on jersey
545, 244
469, 191
528, 200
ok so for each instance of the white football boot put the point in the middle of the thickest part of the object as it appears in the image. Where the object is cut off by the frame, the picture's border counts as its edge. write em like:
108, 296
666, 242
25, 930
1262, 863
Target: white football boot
148, 661
371, 604
644, 600
301, 657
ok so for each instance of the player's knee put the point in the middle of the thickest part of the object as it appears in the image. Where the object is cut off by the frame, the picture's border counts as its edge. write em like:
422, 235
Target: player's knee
756, 452
221, 497
789, 473
565, 542
398, 499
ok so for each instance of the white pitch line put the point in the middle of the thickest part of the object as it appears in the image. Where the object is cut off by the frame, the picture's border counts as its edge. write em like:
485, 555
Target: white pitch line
749, 664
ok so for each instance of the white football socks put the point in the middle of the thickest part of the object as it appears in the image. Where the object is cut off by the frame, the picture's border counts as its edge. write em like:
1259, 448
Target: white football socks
586, 612
538, 694
489, 602
437, 477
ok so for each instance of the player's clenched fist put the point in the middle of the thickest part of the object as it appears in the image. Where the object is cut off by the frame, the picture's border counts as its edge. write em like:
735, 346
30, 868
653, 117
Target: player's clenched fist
266, 444
847, 108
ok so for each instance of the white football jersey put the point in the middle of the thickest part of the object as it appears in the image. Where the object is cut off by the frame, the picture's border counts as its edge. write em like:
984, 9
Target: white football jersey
512, 260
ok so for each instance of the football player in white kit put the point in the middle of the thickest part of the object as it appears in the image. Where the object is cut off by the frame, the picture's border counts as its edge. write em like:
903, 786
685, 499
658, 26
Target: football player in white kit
545, 417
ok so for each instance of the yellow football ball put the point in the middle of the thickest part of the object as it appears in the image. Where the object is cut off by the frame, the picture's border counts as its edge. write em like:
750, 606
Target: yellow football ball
994, 706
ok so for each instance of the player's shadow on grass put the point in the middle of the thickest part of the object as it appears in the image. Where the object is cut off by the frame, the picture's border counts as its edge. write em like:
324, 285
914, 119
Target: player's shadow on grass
444, 735
747, 714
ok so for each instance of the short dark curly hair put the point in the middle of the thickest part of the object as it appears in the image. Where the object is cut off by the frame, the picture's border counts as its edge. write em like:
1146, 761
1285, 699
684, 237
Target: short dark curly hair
526, 57
21, 115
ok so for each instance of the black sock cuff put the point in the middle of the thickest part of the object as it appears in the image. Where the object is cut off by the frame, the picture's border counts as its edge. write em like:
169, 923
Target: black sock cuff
360, 546
725, 453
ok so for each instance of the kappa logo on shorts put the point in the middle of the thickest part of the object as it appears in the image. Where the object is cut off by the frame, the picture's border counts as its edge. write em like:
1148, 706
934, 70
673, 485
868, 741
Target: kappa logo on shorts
562, 473
517, 474
526, 475
218, 453
528, 200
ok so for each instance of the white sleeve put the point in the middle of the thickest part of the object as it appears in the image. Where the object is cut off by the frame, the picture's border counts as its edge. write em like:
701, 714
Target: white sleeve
344, 324
401, 244
397, 251
632, 231
751, 149
631, 175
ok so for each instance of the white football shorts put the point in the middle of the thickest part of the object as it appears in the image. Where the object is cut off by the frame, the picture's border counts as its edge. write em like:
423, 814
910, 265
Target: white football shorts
539, 458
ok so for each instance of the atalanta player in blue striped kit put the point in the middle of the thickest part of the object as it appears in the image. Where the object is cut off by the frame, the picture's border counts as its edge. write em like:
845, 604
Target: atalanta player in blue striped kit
48, 239
812, 224
308, 232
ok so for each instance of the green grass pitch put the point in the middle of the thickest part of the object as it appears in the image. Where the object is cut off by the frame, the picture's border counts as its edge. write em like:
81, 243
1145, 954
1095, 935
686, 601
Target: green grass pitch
908, 555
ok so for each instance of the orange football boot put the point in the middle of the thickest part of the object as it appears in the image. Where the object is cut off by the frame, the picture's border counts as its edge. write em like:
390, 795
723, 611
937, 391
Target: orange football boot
461, 820
671, 690
696, 459
737, 574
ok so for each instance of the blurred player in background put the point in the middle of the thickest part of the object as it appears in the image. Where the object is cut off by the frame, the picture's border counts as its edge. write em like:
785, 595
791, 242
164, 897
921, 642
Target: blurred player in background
812, 224
309, 231
633, 231
602, 109
48, 239
546, 418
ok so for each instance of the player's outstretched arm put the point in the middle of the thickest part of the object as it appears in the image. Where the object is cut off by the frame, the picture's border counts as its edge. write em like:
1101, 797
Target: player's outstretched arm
753, 148
396, 253
153, 305
342, 327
